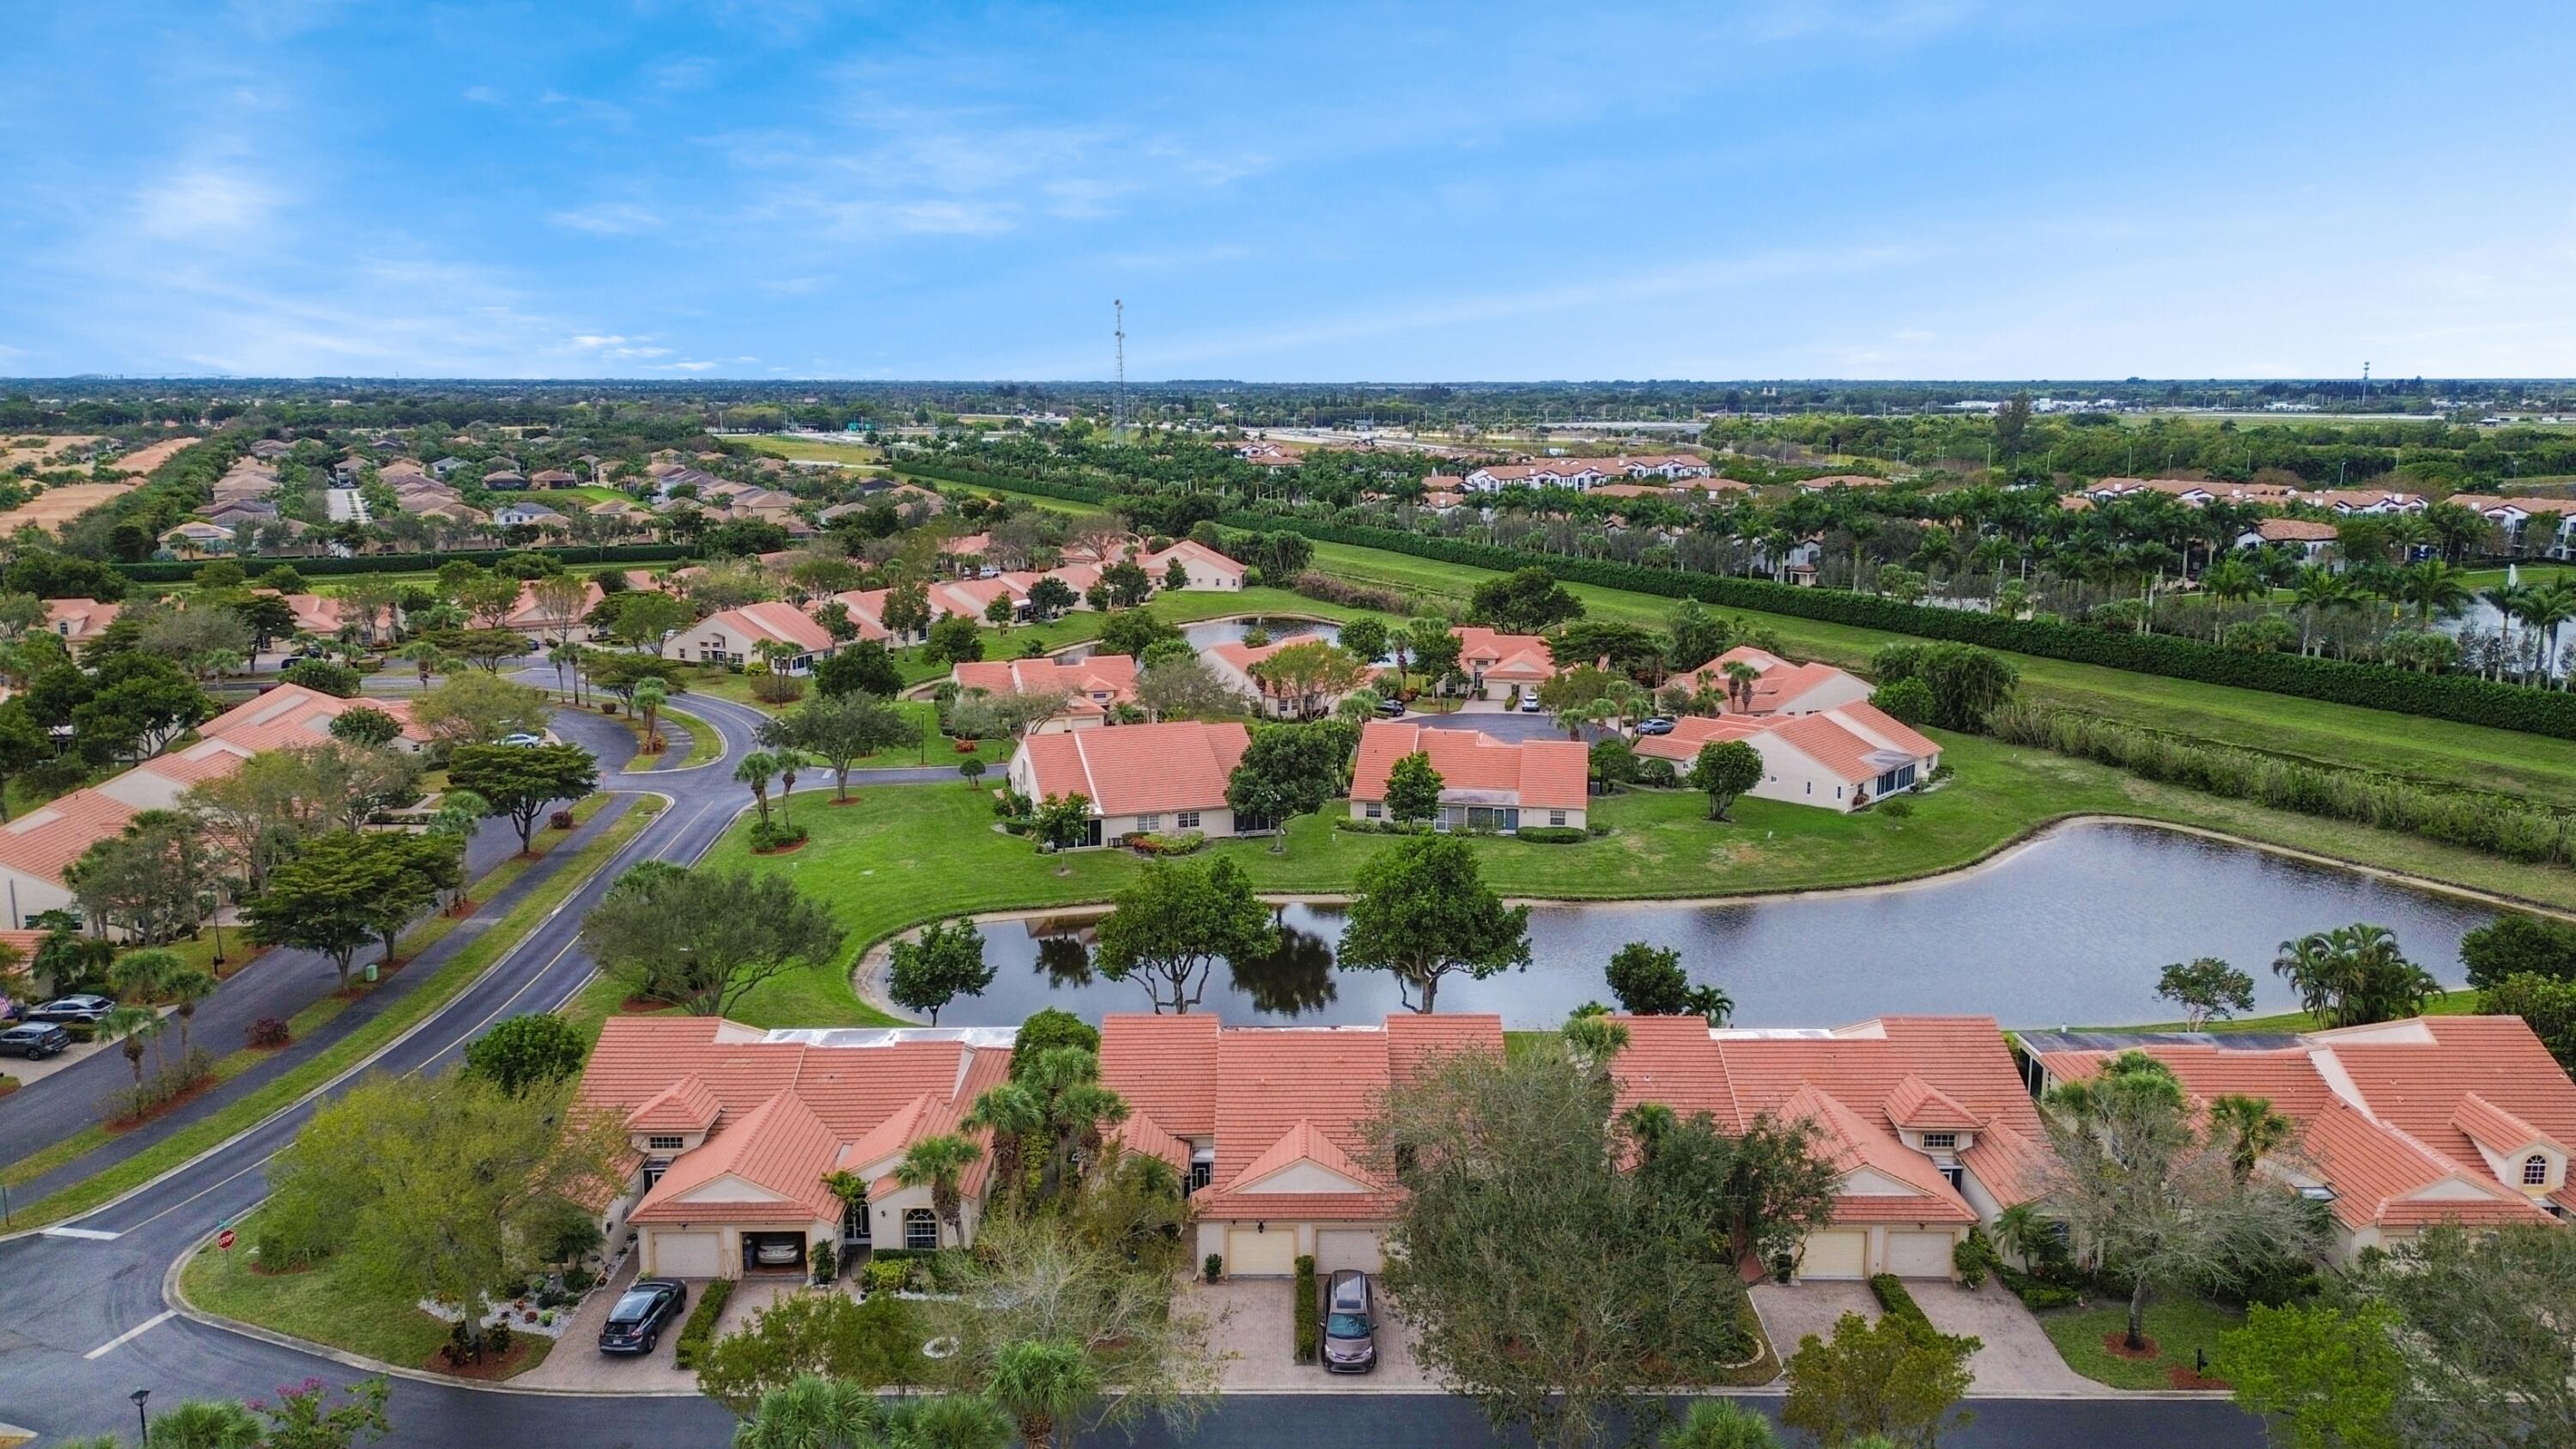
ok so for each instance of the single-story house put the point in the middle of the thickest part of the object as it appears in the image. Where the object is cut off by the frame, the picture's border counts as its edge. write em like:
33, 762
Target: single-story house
1140, 779
1233, 664
533, 615
532, 515
2401, 1125
502, 480
1839, 759
554, 478
1507, 662
1779, 687
1207, 569
1095, 686
1264, 1123
39, 843
734, 636
1485, 783
197, 538
734, 1130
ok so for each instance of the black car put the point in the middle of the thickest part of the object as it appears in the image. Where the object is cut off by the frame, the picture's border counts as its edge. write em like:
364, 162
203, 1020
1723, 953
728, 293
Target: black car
636, 1321
1391, 708
36, 1040
73, 1008
1350, 1327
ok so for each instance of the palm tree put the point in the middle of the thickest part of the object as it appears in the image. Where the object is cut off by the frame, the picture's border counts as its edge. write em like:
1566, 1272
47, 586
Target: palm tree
429, 657
184, 988
788, 760
2551, 606
955, 1421
755, 771
1011, 1114
2432, 587
813, 1412
650, 696
1740, 681
563, 656
2230, 580
2511, 602
206, 1424
1042, 1384
2317, 591
137, 975
131, 1028
2020, 1230
2253, 1126
1649, 1125
1718, 1424
2353, 975
940, 1163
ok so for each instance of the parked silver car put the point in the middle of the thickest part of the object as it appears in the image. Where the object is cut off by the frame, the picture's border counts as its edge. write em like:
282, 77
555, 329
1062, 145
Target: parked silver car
1350, 1323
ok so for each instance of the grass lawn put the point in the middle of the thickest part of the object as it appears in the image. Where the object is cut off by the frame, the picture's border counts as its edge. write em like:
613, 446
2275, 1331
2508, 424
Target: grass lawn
322, 1304
458, 972
909, 854
2434, 751
816, 450
562, 499
2178, 1328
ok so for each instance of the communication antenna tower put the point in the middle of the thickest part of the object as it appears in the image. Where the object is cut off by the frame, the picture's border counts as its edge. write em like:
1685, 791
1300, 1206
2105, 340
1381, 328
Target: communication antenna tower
2365, 382
1118, 408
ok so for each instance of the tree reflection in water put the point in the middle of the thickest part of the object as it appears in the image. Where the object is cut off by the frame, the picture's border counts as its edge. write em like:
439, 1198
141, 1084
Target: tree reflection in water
1064, 961
1291, 980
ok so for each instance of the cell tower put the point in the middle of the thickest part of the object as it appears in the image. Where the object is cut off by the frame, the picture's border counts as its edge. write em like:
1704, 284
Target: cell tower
1118, 406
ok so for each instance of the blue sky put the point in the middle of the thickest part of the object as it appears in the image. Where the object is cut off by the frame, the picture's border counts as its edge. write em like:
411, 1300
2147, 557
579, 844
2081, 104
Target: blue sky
1919, 188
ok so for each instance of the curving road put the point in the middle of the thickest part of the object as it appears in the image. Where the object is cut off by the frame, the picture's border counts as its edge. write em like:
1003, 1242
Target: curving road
85, 1318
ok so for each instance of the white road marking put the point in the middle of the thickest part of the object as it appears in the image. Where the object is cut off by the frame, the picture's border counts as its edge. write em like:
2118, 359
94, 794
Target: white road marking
94, 1234
131, 1334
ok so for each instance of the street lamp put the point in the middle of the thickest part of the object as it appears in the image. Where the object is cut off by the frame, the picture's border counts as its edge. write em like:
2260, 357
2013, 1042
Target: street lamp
142, 1420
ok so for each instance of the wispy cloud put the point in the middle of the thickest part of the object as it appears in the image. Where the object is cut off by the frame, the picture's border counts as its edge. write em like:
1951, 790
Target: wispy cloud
609, 218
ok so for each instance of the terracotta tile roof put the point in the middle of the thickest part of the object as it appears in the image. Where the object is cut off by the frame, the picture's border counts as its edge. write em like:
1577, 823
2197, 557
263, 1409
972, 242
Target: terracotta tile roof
1512, 658
687, 1105
1963, 1057
79, 619
531, 613
780, 1145
2490, 503
1853, 1144
1165, 1066
1102, 679
1138, 769
1541, 774
1141, 1133
290, 714
2009, 1165
2497, 1130
1778, 689
1855, 742
1917, 1104
2377, 1174
1670, 1059
1690, 732
771, 620
1157, 564
1304, 1142
2295, 530
40, 842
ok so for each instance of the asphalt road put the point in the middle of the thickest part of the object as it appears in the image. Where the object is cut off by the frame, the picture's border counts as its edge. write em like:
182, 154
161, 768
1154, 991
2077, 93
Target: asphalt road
84, 1320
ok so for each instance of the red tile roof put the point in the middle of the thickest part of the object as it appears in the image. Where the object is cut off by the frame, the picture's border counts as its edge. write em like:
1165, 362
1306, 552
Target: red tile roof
1541, 774
1918, 1105
1511, 658
1137, 769
1102, 679
770, 620
40, 842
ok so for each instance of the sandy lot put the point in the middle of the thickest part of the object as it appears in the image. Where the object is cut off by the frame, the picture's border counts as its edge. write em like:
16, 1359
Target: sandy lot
153, 455
54, 507
31, 448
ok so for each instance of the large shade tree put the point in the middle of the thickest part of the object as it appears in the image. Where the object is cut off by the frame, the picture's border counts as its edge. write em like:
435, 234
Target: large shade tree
1424, 912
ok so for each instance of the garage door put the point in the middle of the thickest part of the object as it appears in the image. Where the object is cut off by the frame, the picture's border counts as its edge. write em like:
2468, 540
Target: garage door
1337, 1248
1835, 1255
684, 1255
1918, 1255
1250, 1253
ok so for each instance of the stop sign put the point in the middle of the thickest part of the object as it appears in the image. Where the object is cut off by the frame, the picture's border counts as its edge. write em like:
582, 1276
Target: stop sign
224, 1239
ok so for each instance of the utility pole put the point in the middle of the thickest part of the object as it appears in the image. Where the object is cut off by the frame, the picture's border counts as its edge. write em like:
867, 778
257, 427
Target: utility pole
1118, 407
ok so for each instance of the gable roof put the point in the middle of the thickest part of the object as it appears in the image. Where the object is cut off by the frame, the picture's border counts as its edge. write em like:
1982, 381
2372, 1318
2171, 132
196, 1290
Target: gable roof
1137, 769
40, 842
1542, 774
1111, 674
769, 621
1520, 658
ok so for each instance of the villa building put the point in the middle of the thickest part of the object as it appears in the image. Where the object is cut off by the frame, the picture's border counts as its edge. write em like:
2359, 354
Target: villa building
1140, 779
1094, 687
1838, 759
1485, 783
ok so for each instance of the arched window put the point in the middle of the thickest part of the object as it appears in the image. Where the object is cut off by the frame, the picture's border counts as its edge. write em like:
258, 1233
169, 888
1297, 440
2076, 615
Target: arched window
2535, 1170
920, 1229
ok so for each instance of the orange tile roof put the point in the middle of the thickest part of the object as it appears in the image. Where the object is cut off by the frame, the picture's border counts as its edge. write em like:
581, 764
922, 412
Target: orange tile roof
1920, 1106
2295, 530
1141, 1133
1513, 658
1304, 1142
40, 842
780, 1145
1780, 686
2497, 1130
686, 1105
1851, 1143
1157, 564
1139, 769
2009, 1165
1543, 774
1088, 681
1165, 1066
772, 620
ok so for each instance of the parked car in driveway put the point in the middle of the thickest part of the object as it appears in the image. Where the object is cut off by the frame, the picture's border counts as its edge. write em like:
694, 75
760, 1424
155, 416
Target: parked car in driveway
34, 1040
1391, 708
524, 741
1657, 725
636, 1320
79, 1008
1529, 701
1350, 1323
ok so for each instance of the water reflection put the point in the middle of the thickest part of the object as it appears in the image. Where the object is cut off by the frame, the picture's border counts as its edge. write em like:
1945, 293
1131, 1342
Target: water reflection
2071, 930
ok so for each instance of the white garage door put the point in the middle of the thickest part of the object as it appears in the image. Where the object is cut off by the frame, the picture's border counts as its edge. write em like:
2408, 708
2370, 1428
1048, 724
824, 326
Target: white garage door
1338, 1248
1835, 1255
1918, 1255
684, 1255
1250, 1253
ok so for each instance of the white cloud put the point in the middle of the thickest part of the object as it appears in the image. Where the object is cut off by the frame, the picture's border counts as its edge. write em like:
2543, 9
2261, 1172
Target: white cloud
200, 201
483, 95
609, 218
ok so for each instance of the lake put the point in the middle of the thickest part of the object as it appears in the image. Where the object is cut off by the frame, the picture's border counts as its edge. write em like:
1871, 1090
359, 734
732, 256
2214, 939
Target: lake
1209, 633
2069, 929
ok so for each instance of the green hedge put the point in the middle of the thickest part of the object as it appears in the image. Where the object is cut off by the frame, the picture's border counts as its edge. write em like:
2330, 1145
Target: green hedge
1309, 1313
2458, 697
180, 572
1892, 1297
700, 1331
1553, 834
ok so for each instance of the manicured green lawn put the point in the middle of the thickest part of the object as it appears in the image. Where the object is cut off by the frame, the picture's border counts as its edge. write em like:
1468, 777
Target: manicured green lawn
2435, 751
816, 450
909, 854
322, 1304
2178, 1328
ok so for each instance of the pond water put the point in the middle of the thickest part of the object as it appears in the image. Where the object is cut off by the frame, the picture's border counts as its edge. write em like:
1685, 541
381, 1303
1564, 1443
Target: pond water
1212, 632
2069, 930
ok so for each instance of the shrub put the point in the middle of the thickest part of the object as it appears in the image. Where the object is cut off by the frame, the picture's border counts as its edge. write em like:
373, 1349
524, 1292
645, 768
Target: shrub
268, 1032
826, 1261
1553, 834
1892, 1297
1358, 596
771, 835
1308, 1313
2513, 945
700, 1330
560, 820
888, 1275
1894, 807
777, 688
81, 1031
1148, 843
1378, 827
1214, 1266
1975, 1257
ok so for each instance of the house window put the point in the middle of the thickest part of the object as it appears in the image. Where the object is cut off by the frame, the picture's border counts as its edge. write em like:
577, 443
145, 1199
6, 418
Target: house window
665, 1144
653, 1171
1955, 1175
2535, 1171
1940, 1141
1556, 817
1186, 820
920, 1230
1149, 822
1374, 811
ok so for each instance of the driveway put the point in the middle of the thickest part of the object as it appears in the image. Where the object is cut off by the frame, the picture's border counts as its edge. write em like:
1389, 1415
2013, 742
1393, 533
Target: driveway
1513, 726
577, 1363
1251, 1325
2017, 1359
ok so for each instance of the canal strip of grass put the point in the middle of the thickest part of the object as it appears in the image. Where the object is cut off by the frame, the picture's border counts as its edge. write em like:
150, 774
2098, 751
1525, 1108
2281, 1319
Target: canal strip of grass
352, 1051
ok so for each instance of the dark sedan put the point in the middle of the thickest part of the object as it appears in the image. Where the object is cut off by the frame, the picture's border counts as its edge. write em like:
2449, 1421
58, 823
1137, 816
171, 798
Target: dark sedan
35, 1040
73, 1008
637, 1319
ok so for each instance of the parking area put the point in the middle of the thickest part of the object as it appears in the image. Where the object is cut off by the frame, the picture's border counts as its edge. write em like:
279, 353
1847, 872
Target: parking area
2016, 1358
577, 1363
1251, 1323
